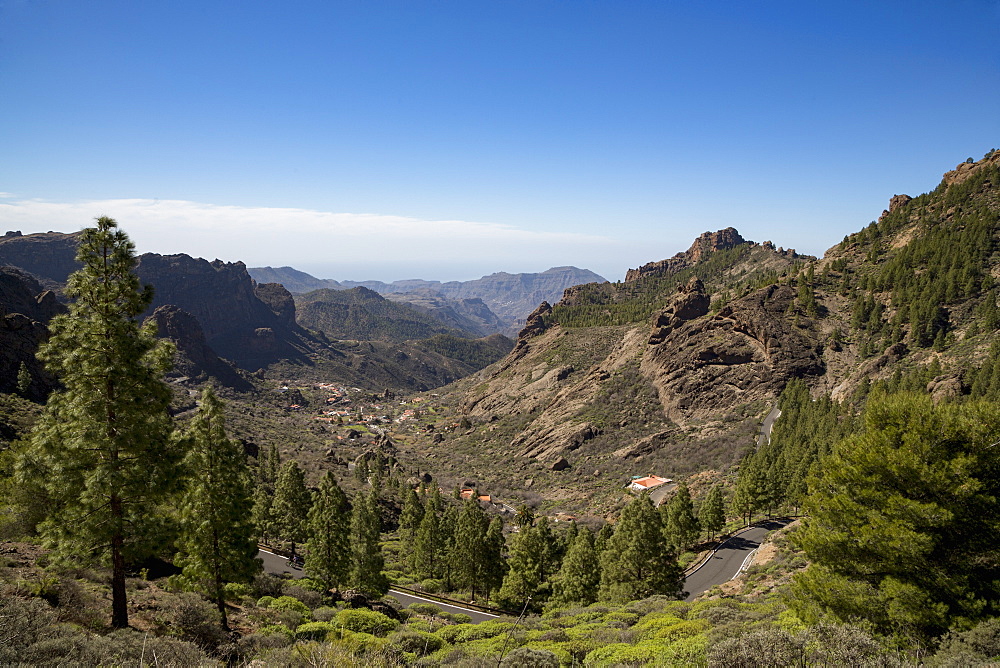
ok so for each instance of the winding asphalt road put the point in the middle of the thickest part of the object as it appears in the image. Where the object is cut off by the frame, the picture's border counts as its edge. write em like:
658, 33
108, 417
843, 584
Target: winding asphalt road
765, 428
275, 564
729, 558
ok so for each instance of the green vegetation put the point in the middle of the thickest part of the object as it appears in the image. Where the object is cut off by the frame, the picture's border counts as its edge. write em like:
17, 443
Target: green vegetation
101, 458
902, 520
216, 543
476, 353
362, 314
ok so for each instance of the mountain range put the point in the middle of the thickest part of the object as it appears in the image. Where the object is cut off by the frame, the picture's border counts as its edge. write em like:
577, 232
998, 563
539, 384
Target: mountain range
511, 297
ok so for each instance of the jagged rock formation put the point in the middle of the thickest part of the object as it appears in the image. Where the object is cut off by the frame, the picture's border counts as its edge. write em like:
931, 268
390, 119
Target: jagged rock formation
707, 243
194, 358
690, 302
749, 350
237, 324
25, 310
48, 256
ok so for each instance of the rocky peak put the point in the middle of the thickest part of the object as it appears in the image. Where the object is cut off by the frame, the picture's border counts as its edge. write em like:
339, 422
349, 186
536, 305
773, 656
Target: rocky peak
689, 303
535, 323
895, 203
706, 244
279, 300
967, 169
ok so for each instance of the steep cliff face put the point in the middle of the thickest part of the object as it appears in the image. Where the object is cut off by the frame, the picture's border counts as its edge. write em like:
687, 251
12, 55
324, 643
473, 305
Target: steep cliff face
221, 295
48, 256
702, 364
194, 358
25, 310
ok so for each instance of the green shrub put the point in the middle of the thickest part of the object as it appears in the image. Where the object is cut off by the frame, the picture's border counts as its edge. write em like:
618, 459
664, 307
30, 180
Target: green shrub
526, 657
324, 614
265, 601
276, 629
684, 629
417, 642
488, 629
461, 618
628, 618
432, 586
290, 603
366, 621
603, 656
237, 591
690, 651
311, 584
450, 633
653, 624
314, 630
428, 609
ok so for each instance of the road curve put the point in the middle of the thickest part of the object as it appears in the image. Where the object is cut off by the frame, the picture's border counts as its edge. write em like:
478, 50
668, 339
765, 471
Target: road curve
276, 565
765, 427
728, 559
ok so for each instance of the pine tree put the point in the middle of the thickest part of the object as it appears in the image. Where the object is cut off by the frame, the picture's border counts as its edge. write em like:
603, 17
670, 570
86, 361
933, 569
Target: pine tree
102, 451
712, 514
328, 547
525, 567
682, 526
637, 561
216, 543
493, 565
426, 547
291, 504
23, 380
469, 546
449, 533
580, 575
409, 524
901, 528
262, 514
367, 561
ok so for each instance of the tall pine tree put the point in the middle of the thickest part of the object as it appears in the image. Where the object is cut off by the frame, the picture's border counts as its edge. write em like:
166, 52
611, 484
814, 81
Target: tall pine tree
637, 561
368, 561
102, 452
290, 510
580, 575
216, 543
328, 549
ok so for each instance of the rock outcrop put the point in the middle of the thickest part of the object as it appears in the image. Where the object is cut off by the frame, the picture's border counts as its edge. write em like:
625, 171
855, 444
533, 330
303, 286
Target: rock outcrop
703, 246
747, 351
895, 203
50, 257
25, 310
690, 302
194, 358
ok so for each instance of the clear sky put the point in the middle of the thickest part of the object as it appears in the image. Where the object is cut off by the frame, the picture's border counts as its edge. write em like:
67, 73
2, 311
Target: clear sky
451, 139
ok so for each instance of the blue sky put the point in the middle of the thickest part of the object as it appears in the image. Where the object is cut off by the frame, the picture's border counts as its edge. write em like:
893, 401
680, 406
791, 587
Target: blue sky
446, 140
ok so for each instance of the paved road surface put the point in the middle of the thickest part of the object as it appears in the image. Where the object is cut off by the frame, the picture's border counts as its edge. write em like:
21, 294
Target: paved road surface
275, 563
765, 428
727, 561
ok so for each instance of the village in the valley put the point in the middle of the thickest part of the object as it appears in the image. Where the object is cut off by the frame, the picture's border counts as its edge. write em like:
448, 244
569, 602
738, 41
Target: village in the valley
365, 418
